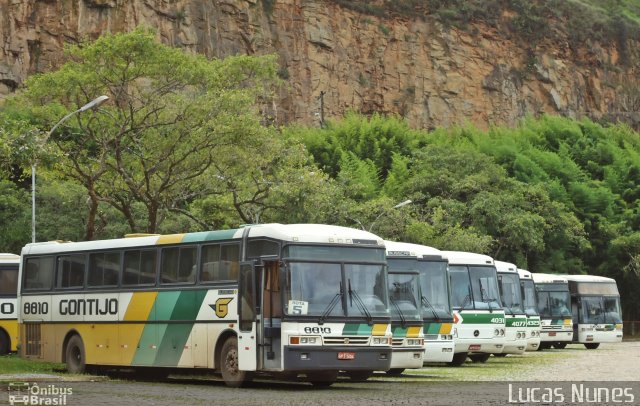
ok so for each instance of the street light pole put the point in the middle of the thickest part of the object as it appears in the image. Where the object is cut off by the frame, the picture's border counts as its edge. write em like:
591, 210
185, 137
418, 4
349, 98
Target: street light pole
397, 206
93, 103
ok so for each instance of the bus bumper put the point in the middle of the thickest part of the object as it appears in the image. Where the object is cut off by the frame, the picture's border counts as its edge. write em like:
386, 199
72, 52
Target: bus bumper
308, 358
533, 344
407, 358
438, 351
487, 345
556, 336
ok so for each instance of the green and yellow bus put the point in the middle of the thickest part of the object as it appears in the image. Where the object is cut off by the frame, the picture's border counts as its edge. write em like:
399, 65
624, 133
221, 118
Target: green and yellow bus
530, 303
9, 264
515, 337
303, 301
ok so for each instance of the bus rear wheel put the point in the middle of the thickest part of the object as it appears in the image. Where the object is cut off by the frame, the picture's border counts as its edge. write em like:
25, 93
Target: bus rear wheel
75, 356
229, 366
359, 376
560, 346
322, 378
395, 371
592, 346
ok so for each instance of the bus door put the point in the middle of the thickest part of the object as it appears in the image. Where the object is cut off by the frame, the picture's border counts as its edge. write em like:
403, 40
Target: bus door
247, 312
576, 303
272, 315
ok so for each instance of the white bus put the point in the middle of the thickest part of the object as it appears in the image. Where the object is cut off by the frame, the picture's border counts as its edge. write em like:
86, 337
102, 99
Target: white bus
9, 264
477, 310
554, 303
595, 304
435, 295
531, 309
306, 300
515, 337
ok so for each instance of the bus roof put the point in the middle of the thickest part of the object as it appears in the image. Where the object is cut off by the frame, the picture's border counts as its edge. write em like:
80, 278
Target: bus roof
524, 274
467, 258
311, 233
506, 267
6, 258
540, 278
405, 249
588, 278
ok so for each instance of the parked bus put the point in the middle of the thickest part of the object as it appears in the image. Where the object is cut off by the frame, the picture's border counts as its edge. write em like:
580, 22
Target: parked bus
435, 295
406, 320
595, 304
301, 299
515, 336
554, 303
9, 264
531, 309
477, 310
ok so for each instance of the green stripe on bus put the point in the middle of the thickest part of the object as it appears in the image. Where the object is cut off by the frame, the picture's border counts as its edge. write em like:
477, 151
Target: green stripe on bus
482, 318
516, 321
357, 329
432, 328
398, 331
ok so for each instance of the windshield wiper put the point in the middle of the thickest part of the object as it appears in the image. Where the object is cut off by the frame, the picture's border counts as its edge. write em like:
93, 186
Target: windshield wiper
433, 310
403, 320
467, 299
330, 306
359, 303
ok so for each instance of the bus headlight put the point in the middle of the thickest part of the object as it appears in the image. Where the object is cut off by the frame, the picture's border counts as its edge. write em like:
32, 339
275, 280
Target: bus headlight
304, 340
381, 340
414, 342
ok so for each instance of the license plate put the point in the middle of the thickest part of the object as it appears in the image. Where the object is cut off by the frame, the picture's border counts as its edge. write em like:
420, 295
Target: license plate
474, 347
552, 334
346, 355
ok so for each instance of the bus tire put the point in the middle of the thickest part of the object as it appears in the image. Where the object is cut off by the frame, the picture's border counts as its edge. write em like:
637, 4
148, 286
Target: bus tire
322, 379
230, 367
479, 357
359, 375
5, 343
559, 346
75, 355
458, 359
502, 354
592, 346
395, 371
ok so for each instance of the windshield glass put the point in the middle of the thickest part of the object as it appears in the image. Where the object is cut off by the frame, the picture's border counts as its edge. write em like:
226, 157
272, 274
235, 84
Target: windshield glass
529, 298
460, 287
554, 304
510, 293
367, 284
404, 296
484, 283
433, 284
598, 310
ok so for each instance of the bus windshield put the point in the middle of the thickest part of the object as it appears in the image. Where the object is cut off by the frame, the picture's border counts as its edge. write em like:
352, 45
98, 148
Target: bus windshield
553, 303
347, 287
600, 309
475, 287
529, 298
433, 285
510, 293
404, 296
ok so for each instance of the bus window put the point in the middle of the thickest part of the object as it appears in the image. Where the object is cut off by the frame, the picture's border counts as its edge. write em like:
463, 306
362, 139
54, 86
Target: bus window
104, 268
70, 272
220, 263
8, 282
139, 267
178, 265
229, 261
210, 263
39, 273
258, 248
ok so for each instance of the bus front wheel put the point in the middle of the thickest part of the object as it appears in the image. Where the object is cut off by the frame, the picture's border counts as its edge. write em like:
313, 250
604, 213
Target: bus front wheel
458, 359
560, 346
359, 375
75, 356
322, 379
229, 366
592, 346
395, 371
479, 357
5, 343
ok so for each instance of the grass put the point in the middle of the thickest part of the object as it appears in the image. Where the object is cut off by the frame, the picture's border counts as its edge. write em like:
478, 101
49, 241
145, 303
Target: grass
13, 364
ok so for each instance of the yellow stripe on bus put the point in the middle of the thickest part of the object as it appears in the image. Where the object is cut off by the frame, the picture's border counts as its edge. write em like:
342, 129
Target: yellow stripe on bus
140, 306
379, 329
413, 332
170, 239
445, 328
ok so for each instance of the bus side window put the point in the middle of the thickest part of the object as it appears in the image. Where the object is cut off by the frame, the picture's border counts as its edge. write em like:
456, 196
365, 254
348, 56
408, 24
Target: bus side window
139, 267
178, 265
230, 261
70, 272
39, 273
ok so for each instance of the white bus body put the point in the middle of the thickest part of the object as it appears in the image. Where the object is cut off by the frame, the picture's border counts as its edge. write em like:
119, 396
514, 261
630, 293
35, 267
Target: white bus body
554, 302
477, 310
515, 337
595, 304
9, 264
435, 291
531, 309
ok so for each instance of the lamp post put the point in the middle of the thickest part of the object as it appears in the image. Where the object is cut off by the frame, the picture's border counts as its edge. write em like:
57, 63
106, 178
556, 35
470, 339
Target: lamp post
93, 103
397, 206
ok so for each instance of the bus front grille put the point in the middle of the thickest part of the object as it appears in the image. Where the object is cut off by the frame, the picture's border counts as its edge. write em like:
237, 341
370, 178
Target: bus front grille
346, 340
397, 342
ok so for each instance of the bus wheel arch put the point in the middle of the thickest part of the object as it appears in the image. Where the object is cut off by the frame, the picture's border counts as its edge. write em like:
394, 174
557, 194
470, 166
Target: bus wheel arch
218, 348
5, 342
73, 353
229, 364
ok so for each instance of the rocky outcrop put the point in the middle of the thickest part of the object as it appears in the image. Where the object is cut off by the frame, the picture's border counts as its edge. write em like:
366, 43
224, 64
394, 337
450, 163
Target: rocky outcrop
432, 75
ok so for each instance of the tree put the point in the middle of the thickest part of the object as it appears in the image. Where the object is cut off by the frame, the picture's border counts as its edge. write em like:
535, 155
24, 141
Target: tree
172, 116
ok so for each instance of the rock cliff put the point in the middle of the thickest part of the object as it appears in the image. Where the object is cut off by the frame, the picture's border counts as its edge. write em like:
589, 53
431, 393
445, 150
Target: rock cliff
336, 59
